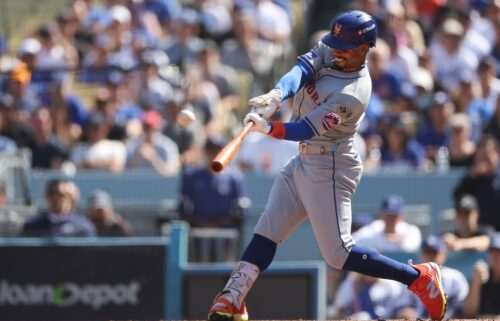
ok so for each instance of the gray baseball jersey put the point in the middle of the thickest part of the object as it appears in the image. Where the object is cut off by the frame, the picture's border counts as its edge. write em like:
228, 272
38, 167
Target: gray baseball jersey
318, 183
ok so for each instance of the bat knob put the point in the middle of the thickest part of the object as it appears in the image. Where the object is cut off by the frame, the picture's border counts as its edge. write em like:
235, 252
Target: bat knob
217, 166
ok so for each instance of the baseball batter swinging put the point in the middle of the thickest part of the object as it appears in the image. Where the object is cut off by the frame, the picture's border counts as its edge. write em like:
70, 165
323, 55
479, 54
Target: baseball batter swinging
331, 87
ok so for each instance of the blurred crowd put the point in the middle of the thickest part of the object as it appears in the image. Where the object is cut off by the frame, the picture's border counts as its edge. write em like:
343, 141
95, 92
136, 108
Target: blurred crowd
149, 62
152, 64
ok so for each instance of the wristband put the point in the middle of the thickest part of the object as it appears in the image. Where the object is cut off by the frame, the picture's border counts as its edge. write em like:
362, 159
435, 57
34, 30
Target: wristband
277, 130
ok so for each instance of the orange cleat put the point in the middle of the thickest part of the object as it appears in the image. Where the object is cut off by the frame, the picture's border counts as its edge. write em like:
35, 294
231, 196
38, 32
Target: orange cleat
429, 289
223, 310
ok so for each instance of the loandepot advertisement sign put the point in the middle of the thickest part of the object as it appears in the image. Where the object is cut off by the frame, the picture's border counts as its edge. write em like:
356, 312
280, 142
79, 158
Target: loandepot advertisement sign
68, 294
77, 283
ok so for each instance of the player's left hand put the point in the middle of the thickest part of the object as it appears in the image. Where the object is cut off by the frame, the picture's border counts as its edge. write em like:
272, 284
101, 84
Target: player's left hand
265, 105
260, 124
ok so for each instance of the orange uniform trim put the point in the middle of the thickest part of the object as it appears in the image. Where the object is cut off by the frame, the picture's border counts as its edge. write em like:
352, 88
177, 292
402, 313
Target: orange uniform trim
277, 130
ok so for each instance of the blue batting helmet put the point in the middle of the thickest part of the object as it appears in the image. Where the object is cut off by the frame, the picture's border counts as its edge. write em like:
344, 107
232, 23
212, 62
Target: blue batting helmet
350, 30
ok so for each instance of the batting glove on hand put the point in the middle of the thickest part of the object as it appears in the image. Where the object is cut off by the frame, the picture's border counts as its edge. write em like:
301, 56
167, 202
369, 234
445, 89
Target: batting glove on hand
265, 105
260, 124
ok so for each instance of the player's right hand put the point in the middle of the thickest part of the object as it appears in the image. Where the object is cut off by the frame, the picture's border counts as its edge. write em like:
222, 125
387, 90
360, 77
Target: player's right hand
260, 124
265, 105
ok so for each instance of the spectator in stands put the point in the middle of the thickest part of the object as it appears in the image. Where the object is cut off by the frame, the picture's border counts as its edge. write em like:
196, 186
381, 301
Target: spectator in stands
461, 146
24, 99
481, 181
215, 18
59, 219
435, 133
49, 151
221, 75
153, 89
121, 107
402, 60
54, 54
468, 233
16, 132
362, 297
264, 155
184, 44
28, 51
247, 51
399, 151
490, 87
455, 284
468, 100
483, 299
211, 199
273, 22
474, 41
153, 149
101, 212
98, 152
390, 233
386, 84
449, 57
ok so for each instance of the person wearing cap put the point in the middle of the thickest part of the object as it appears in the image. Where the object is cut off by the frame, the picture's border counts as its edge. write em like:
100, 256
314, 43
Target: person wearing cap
153, 89
481, 181
449, 56
461, 146
19, 87
468, 233
185, 43
390, 232
483, 300
455, 283
153, 149
28, 50
101, 213
435, 133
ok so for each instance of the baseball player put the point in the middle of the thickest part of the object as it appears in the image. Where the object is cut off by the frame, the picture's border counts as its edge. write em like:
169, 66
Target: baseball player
331, 88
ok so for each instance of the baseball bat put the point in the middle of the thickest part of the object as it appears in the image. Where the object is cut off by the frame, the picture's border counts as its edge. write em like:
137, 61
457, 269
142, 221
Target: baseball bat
227, 153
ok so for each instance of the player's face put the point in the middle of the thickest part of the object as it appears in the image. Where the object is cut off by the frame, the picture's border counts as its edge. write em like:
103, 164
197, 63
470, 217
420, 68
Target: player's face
350, 59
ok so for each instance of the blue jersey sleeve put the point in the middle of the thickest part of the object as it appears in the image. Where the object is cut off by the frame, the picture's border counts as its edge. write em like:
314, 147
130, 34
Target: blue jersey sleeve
293, 80
297, 131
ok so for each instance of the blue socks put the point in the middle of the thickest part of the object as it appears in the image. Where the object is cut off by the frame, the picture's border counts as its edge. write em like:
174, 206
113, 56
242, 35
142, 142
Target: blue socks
260, 251
370, 262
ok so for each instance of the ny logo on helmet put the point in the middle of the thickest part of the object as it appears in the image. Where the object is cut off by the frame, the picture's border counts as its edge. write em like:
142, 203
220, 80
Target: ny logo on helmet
337, 29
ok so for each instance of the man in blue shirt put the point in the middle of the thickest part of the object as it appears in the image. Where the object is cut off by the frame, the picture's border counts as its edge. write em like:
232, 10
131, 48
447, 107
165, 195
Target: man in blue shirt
209, 199
59, 219
436, 134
